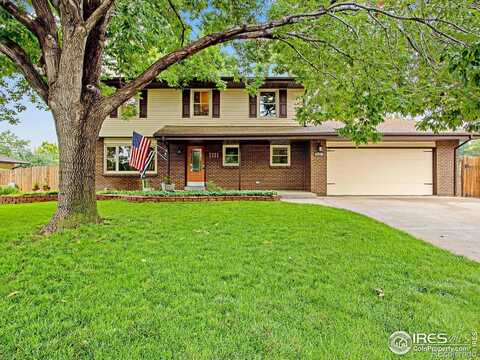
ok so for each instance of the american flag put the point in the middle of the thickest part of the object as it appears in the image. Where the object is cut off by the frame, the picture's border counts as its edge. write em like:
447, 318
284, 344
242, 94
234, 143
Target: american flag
140, 151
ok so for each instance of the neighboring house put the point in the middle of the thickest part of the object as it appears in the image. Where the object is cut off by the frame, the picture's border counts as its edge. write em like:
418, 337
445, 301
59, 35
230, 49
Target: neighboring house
242, 142
7, 163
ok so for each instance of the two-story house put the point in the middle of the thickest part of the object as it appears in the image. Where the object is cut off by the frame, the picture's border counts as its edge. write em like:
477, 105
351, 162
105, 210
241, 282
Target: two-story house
239, 141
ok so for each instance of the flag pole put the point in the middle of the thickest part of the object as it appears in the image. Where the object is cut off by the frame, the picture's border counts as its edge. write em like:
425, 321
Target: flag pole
143, 172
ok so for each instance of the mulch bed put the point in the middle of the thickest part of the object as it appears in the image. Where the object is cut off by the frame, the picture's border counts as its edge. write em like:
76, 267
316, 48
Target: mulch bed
23, 199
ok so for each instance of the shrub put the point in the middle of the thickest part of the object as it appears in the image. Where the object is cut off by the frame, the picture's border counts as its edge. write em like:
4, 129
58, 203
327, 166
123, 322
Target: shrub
46, 187
8, 190
192, 193
211, 186
36, 187
167, 180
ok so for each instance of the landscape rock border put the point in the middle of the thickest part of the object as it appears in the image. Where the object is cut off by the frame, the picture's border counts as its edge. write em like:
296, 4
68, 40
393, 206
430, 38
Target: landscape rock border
24, 199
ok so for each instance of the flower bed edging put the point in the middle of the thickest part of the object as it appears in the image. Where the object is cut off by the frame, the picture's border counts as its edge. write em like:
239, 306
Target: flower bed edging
24, 199
139, 198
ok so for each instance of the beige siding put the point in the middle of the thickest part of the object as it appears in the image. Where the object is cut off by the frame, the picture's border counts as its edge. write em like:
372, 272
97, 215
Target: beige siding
165, 108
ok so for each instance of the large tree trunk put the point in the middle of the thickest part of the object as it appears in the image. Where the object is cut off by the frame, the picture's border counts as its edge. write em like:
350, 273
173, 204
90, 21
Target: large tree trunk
76, 198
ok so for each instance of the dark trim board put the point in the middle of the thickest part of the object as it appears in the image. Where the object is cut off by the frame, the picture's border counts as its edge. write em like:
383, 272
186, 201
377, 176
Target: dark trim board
380, 147
434, 167
269, 83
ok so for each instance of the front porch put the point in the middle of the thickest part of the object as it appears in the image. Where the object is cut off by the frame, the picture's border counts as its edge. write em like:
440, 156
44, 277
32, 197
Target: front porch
192, 164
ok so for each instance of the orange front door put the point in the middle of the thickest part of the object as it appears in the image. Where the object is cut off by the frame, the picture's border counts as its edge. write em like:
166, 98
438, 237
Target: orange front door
195, 165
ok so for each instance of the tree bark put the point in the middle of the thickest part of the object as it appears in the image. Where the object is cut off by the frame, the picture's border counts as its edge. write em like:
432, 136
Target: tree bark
76, 197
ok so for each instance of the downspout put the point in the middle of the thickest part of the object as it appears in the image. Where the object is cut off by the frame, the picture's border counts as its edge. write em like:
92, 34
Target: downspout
455, 163
239, 166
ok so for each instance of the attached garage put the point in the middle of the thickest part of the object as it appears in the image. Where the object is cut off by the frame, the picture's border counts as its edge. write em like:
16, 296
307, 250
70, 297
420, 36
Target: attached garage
379, 171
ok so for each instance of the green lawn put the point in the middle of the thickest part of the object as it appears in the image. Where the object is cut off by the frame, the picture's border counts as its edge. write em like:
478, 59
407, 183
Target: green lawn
223, 280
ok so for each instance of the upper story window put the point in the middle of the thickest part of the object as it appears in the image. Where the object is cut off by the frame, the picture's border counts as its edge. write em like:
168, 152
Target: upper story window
135, 107
201, 103
116, 158
130, 108
268, 104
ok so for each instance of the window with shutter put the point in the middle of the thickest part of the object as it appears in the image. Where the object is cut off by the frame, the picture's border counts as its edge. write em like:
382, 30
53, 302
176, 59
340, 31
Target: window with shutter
268, 104
201, 103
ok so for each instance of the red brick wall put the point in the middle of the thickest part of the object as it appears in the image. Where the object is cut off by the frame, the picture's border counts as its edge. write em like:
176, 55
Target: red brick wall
444, 167
224, 176
177, 164
317, 168
255, 171
307, 171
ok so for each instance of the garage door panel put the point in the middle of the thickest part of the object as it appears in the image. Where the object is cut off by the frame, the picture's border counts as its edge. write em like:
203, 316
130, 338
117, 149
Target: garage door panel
380, 172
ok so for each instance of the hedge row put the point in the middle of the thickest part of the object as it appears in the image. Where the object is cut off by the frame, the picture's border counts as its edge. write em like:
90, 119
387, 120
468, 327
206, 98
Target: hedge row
190, 193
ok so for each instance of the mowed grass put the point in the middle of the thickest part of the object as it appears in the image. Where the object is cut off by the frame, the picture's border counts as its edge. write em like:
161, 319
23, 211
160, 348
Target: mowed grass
232, 280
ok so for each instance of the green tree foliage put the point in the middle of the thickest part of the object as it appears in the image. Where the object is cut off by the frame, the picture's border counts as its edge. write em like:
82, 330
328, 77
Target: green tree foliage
45, 154
358, 65
472, 149
12, 146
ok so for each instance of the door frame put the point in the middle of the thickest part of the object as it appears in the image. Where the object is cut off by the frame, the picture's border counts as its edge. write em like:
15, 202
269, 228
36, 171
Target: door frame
204, 165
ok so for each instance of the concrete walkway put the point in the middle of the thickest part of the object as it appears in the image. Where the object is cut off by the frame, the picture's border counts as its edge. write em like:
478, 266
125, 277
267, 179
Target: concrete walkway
449, 223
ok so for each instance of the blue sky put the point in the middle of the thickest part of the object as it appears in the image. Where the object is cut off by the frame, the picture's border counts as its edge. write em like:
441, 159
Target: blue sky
35, 125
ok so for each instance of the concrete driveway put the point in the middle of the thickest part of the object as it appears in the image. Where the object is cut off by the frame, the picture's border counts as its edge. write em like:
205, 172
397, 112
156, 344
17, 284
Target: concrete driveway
449, 223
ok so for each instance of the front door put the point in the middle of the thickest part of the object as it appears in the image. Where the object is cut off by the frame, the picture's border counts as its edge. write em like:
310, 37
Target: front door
195, 165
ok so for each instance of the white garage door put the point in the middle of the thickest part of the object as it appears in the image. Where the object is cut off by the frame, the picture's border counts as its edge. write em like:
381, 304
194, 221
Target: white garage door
373, 171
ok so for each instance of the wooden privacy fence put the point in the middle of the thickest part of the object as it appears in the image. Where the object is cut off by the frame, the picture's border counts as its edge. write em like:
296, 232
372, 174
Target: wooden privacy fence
26, 178
471, 176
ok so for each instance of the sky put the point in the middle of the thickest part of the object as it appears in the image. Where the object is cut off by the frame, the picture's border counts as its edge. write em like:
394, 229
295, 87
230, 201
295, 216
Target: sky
35, 125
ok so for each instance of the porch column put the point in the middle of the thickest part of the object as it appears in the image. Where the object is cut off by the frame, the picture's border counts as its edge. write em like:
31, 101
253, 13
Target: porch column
316, 181
445, 167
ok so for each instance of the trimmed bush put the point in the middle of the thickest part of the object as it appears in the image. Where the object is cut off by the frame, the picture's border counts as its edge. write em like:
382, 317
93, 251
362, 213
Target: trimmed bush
191, 193
8, 190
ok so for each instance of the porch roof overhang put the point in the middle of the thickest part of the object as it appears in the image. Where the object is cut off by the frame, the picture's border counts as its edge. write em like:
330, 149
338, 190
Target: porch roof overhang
287, 132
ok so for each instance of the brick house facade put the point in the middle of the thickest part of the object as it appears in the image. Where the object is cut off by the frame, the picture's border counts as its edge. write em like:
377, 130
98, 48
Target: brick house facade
310, 158
307, 171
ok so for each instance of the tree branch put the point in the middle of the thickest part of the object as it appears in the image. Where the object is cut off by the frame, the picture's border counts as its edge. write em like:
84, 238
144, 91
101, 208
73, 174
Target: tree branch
70, 12
93, 52
16, 54
352, 6
308, 62
244, 32
180, 20
21, 16
320, 41
262, 30
98, 14
45, 16
349, 26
